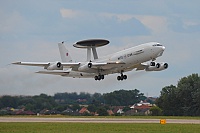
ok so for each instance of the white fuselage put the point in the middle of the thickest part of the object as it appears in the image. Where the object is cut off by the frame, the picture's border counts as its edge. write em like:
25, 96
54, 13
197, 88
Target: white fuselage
131, 57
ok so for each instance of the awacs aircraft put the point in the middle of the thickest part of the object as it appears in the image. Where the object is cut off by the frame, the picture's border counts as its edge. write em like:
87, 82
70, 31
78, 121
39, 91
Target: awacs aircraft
141, 57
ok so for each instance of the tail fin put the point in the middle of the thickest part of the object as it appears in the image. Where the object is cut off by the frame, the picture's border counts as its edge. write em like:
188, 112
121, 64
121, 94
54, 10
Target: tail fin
65, 56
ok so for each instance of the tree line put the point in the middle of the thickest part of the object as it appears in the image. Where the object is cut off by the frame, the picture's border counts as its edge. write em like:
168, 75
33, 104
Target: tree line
61, 101
180, 100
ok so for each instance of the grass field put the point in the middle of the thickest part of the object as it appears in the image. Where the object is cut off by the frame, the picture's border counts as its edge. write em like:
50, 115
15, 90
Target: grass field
97, 128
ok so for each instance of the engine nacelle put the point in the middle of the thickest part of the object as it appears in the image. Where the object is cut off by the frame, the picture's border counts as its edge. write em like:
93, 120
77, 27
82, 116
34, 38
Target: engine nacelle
163, 66
157, 67
55, 66
150, 68
85, 67
89, 65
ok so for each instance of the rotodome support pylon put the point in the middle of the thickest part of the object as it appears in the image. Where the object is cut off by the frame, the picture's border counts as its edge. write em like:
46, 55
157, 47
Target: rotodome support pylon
91, 44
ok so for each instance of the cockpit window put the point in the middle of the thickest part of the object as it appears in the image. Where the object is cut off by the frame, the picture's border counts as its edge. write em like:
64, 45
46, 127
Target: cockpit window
157, 44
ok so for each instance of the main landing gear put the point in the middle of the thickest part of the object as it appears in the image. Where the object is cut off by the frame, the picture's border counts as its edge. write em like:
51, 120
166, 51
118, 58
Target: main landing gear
122, 77
99, 77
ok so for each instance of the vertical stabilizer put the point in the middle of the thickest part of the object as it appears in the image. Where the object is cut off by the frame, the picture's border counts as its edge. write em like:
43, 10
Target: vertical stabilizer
64, 53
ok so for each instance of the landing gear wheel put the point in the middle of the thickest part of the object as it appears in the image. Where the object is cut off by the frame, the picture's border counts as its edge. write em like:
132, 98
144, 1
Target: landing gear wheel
99, 77
96, 77
122, 77
125, 77
102, 77
118, 78
152, 64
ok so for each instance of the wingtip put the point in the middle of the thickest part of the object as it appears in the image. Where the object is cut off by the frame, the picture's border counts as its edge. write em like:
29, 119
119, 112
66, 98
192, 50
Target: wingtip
16, 63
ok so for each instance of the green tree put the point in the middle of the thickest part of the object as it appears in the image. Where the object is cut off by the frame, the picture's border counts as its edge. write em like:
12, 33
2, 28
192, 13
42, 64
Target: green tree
156, 111
189, 92
44, 101
9, 101
75, 107
61, 107
183, 99
29, 106
92, 108
123, 97
97, 99
102, 111
127, 108
168, 101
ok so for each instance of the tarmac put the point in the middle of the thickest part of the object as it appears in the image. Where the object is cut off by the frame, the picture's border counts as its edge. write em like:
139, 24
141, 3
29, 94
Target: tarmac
96, 120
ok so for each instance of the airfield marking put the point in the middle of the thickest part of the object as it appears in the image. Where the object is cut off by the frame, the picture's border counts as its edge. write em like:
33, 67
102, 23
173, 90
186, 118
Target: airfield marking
98, 120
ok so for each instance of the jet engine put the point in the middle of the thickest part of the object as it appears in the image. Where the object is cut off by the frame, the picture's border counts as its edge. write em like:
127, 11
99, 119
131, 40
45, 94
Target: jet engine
157, 67
85, 67
163, 66
55, 66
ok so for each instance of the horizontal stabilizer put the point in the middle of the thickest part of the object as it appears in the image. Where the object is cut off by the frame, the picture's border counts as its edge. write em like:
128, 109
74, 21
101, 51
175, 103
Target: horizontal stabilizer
61, 73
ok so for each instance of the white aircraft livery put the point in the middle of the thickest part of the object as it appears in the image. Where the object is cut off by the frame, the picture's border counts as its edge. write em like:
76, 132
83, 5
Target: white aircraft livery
141, 57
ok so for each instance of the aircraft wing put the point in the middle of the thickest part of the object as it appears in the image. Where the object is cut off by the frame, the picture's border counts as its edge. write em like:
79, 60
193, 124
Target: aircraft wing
140, 66
46, 64
32, 63
70, 64
106, 65
95, 65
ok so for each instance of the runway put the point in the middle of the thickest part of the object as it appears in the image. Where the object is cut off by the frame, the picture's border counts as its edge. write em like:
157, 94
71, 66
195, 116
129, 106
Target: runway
97, 120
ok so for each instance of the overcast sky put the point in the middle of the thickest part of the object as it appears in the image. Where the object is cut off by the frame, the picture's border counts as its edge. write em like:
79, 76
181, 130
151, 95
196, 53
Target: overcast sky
30, 31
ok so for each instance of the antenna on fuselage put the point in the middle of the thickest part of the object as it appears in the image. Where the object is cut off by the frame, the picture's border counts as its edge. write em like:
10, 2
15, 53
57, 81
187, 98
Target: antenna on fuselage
91, 45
